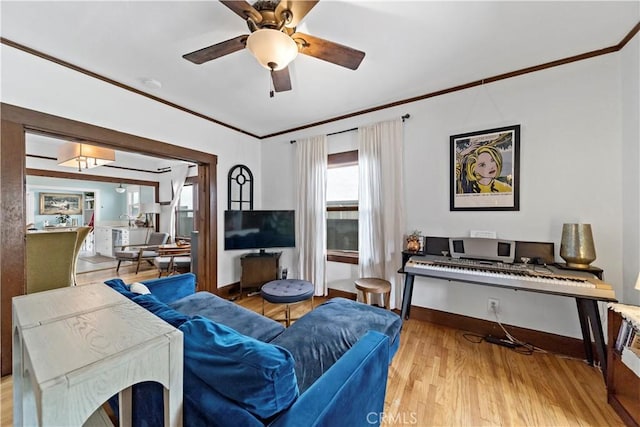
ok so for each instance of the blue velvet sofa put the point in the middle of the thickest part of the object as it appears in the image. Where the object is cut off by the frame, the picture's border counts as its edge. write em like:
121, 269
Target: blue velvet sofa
242, 369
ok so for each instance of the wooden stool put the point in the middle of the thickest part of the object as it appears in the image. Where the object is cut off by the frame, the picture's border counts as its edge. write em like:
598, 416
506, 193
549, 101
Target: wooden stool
371, 285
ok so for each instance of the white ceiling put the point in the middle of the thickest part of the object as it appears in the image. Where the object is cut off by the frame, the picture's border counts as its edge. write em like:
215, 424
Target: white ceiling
412, 48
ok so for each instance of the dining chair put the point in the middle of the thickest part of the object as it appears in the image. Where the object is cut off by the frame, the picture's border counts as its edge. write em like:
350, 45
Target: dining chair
173, 258
50, 260
138, 253
83, 232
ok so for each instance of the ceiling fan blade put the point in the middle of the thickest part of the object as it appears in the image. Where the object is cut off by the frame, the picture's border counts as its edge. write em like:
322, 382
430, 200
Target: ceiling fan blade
281, 80
243, 9
217, 50
329, 51
299, 10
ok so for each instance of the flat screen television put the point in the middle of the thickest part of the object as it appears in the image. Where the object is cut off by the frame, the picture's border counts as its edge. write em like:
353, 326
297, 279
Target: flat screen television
260, 229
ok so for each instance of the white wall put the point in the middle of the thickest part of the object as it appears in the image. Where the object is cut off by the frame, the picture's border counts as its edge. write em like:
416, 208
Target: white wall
571, 146
31, 82
630, 104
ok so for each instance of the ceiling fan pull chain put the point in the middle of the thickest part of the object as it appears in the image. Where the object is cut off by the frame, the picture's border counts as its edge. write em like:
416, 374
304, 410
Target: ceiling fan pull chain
271, 88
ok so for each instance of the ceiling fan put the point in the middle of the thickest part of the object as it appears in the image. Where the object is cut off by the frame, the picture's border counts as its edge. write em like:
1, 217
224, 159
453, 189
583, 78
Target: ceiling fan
274, 40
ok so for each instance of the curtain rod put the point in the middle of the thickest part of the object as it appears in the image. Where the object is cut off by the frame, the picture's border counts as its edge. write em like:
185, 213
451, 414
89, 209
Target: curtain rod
405, 117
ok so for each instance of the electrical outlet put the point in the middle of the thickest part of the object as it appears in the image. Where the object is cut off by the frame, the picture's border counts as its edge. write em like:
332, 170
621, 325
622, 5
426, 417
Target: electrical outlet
493, 305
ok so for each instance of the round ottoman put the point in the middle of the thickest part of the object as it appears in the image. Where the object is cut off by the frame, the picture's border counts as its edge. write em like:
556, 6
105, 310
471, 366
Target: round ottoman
287, 291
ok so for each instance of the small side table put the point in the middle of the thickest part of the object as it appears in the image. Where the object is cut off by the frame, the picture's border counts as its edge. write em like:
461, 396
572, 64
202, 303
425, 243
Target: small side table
372, 285
258, 269
75, 347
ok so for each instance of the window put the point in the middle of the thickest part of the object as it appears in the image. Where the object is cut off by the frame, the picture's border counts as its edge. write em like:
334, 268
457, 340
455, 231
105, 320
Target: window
133, 201
342, 207
185, 211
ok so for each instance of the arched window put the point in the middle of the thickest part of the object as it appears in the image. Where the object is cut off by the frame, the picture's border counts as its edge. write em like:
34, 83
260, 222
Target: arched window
240, 189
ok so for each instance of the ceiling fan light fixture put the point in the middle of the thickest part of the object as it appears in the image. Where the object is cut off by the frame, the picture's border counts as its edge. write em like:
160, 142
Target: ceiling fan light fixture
273, 49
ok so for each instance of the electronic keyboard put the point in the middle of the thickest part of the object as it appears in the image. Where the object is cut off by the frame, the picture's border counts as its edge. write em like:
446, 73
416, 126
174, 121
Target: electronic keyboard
536, 278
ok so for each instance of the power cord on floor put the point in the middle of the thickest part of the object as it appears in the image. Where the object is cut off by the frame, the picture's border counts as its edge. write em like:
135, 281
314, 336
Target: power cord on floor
516, 345
510, 341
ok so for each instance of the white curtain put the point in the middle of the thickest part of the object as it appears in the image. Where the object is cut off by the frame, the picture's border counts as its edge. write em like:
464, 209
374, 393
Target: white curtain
178, 177
381, 204
311, 172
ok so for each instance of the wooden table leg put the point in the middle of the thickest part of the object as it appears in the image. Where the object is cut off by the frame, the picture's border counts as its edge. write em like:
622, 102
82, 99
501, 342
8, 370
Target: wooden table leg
406, 296
586, 333
590, 317
173, 405
124, 407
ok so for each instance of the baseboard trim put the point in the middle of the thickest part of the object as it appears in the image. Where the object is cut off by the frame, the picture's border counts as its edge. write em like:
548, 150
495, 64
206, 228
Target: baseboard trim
228, 291
337, 293
552, 343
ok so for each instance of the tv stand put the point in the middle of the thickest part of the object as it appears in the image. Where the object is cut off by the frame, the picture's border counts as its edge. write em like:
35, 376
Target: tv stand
262, 253
258, 268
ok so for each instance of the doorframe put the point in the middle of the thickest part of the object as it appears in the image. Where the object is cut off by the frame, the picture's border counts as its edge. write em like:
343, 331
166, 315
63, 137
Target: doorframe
15, 123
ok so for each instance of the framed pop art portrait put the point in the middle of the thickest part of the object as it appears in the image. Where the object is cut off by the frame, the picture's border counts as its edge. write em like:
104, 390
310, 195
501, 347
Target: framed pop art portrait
485, 170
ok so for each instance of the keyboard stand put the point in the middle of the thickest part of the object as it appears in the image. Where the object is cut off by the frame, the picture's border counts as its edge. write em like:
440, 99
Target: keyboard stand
588, 315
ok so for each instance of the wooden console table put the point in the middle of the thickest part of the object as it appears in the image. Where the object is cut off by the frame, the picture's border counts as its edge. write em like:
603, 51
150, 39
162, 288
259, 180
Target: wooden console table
623, 384
75, 347
258, 269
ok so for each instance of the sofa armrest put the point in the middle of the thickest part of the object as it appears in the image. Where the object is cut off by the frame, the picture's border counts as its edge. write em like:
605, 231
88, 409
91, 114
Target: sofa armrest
171, 288
350, 393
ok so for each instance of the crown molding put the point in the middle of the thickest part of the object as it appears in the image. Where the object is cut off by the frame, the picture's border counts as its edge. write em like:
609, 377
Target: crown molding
587, 55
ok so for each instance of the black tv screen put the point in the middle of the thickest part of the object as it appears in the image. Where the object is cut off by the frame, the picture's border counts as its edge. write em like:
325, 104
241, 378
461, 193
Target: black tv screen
259, 229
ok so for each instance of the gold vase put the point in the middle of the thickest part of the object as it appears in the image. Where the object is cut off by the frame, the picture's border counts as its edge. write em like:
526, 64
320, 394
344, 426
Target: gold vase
576, 246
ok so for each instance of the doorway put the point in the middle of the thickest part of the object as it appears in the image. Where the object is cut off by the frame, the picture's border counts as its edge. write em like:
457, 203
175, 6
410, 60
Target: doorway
16, 121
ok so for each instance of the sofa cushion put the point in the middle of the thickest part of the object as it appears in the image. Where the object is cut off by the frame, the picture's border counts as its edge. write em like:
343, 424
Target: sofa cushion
139, 288
171, 288
228, 313
160, 309
319, 338
259, 377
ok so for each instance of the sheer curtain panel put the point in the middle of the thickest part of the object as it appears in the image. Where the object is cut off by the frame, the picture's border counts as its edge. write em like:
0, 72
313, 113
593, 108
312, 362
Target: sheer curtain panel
381, 204
311, 212
178, 177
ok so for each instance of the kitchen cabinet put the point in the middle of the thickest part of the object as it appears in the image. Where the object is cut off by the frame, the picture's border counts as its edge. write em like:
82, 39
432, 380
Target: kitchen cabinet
103, 241
108, 239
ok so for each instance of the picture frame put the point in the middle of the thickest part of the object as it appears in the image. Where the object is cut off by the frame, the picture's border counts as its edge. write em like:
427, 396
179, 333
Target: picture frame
60, 203
485, 170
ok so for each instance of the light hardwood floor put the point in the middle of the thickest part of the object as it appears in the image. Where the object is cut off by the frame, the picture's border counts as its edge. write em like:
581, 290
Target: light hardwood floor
440, 378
